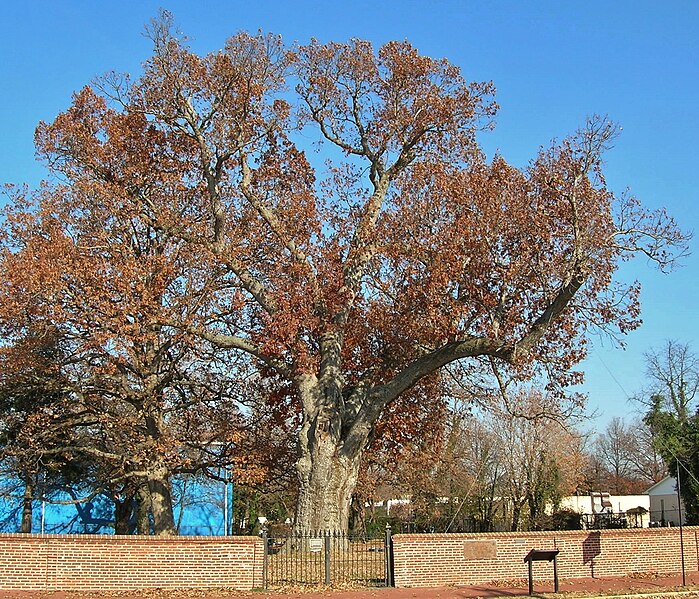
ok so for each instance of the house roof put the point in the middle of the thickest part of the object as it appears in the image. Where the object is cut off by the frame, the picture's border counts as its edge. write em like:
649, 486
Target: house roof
666, 486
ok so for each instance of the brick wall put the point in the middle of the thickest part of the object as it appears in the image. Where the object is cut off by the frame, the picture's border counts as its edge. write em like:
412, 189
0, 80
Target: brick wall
445, 559
122, 563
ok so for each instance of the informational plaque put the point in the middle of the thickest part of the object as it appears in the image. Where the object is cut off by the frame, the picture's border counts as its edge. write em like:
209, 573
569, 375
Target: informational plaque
315, 545
480, 550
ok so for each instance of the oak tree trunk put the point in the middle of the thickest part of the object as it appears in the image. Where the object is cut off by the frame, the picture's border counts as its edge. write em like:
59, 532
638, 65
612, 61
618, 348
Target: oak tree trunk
330, 452
161, 503
516, 514
27, 513
123, 510
142, 511
327, 479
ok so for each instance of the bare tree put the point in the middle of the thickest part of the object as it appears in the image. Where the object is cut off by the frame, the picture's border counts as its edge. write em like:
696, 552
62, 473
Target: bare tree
646, 461
673, 373
614, 448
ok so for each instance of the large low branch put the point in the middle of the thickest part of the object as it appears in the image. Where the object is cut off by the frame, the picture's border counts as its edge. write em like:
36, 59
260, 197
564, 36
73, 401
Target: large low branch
85, 449
430, 362
380, 396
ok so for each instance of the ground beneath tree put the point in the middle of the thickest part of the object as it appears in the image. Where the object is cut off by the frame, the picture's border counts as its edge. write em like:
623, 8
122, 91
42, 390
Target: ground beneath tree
648, 586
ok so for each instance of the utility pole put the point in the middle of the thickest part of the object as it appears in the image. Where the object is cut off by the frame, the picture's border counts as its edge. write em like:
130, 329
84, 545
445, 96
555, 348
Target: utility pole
679, 511
225, 501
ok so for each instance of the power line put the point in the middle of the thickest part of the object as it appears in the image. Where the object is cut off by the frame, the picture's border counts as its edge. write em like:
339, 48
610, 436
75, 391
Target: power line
611, 374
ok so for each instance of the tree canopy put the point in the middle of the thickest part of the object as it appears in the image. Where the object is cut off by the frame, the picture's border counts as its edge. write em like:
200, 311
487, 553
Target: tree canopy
191, 237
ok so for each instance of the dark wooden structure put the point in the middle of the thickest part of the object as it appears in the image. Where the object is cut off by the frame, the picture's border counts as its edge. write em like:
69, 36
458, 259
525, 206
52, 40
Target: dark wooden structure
542, 555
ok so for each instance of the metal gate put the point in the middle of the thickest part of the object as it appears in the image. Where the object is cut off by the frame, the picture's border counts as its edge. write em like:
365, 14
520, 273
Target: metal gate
328, 558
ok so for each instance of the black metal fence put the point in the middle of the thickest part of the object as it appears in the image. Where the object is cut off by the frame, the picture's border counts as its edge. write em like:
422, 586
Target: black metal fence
328, 558
604, 521
628, 519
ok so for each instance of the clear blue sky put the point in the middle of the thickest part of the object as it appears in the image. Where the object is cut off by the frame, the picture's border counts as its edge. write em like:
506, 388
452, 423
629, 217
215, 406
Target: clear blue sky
553, 63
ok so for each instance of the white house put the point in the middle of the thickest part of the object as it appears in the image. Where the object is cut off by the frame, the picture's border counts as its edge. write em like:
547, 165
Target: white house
663, 503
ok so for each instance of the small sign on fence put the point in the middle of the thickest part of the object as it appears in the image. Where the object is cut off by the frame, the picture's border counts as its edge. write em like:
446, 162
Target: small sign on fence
315, 545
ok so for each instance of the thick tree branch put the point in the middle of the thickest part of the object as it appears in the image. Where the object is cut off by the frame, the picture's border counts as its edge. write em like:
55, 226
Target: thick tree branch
560, 302
234, 342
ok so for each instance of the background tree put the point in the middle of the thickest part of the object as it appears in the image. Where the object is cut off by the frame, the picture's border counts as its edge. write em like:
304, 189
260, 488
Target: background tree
624, 459
615, 448
476, 471
29, 390
673, 375
502, 466
673, 372
356, 281
647, 462
541, 456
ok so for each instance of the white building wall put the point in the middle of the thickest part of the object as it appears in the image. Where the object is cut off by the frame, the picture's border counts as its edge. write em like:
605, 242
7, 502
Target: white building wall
620, 503
663, 502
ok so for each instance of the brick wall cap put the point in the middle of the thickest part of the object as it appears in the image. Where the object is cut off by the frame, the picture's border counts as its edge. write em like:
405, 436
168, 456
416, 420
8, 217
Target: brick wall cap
610, 532
181, 539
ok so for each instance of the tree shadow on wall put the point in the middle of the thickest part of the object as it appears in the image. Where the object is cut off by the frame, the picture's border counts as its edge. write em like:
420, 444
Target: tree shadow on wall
591, 548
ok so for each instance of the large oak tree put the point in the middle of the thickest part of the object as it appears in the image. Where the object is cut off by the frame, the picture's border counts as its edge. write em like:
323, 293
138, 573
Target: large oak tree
352, 272
91, 282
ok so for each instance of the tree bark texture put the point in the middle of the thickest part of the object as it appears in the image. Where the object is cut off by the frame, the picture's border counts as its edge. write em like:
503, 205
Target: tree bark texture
123, 510
142, 511
327, 479
161, 502
516, 514
329, 460
27, 511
